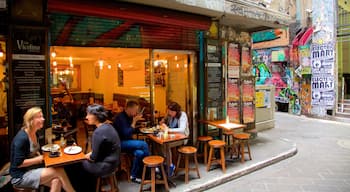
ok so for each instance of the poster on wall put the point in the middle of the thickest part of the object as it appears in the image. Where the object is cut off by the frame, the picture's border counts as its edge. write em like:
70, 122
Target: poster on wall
305, 98
246, 62
248, 112
304, 59
248, 89
322, 58
233, 61
322, 80
233, 112
233, 92
323, 91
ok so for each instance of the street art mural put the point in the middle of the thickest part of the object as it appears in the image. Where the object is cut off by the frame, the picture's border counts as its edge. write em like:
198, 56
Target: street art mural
271, 67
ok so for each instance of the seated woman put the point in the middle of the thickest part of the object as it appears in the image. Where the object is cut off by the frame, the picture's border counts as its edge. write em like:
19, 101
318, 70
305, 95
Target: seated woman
105, 154
175, 121
26, 162
105, 145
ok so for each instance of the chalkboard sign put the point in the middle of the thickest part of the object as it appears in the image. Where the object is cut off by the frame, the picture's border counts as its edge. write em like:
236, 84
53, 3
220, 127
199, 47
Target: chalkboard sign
214, 79
28, 72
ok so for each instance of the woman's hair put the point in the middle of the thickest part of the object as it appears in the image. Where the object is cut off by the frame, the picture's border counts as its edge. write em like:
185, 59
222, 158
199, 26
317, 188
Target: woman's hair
99, 111
173, 106
29, 116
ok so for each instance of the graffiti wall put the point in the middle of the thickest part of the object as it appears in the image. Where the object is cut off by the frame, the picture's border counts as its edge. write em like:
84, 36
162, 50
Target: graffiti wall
271, 67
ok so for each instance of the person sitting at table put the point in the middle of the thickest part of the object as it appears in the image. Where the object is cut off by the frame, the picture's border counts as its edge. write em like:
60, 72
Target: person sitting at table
105, 145
125, 124
175, 121
105, 155
26, 169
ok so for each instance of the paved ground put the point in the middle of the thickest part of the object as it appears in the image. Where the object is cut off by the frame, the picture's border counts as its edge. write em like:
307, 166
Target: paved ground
321, 164
266, 150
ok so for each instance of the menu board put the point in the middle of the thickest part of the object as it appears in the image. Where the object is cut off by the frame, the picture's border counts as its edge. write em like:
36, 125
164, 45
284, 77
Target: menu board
233, 111
214, 94
246, 62
248, 112
29, 71
233, 89
214, 73
248, 89
214, 79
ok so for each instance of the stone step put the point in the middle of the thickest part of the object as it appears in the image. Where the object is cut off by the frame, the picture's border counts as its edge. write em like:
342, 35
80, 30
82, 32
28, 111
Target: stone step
343, 115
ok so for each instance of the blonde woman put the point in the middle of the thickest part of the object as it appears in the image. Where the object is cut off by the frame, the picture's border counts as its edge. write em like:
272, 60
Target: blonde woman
26, 162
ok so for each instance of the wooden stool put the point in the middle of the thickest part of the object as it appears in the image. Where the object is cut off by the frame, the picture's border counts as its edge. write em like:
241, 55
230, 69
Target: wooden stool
204, 140
153, 162
227, 139
107, 183
217, 144
242, 139
19, 189
125, 164
187, 151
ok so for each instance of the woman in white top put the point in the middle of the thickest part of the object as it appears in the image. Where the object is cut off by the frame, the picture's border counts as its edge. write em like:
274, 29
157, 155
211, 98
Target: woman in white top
176, 119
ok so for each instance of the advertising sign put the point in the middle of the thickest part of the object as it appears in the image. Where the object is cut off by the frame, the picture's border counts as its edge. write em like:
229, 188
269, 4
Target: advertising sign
322, 80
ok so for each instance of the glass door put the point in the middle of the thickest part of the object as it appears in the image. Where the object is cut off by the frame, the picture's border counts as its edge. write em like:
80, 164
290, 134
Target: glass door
174, 80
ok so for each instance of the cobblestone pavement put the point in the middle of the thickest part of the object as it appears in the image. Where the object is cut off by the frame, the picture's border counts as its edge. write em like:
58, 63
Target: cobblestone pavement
321, 164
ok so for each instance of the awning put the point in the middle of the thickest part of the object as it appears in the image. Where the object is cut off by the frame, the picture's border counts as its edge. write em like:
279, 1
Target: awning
132, 12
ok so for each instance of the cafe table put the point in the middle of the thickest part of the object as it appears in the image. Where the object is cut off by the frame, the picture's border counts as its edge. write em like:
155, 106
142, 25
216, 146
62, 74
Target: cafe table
166, 143
223, 125
62, 159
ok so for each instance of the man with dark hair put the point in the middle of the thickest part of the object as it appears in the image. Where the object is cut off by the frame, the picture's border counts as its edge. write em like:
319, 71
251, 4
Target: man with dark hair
125, 123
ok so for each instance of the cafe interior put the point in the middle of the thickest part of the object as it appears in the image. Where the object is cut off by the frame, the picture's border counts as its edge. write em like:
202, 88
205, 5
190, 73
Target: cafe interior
80, 76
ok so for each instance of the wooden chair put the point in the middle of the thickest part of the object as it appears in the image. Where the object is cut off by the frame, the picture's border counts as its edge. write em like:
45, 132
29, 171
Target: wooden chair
227, 139
153, 162
125, 164
217, 144
20, 189
242, 139
203, 140
89, 129
107, 183
187, 151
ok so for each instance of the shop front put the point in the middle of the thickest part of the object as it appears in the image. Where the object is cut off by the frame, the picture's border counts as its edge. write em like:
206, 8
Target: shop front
107, 57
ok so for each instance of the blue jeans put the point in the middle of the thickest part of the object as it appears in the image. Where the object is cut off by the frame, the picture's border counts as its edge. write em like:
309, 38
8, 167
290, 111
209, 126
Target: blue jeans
140, 150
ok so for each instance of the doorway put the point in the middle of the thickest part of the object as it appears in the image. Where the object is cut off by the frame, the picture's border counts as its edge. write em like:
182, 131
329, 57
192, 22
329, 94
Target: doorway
174, 80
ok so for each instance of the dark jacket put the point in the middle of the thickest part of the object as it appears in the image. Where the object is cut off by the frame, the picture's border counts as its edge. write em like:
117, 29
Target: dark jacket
20, 150
122, 123
105, 144
105, 154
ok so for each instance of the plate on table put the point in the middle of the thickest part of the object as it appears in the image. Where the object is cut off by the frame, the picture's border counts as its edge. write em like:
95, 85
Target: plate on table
71, 150
49, 147
147, 130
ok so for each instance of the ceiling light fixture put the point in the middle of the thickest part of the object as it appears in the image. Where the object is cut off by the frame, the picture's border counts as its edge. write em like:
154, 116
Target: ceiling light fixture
53, 54
100, 62
119, 65
71, 61
109, 66
1, 52
54, 63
